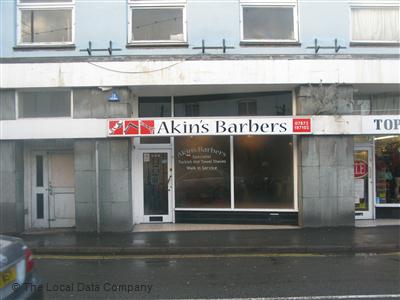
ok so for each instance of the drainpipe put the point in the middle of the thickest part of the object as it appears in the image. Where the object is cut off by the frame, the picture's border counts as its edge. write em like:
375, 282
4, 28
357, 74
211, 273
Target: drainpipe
97, 188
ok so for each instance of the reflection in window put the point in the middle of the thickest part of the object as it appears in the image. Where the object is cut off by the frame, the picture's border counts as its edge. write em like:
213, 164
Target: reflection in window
192, 110
46, 25
268, 23
361, 180
40, 104
39, 170
387, 162
202, 172
248, 108
263, 172
261, 104
154, 107
39, 206
157, 24
361, 105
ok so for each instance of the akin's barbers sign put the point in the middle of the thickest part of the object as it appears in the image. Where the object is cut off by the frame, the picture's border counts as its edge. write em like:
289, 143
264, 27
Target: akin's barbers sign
209, 126
291, 125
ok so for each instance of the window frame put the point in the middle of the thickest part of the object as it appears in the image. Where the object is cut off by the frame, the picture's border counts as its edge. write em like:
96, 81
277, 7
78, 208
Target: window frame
370, 4
17, 97
270, 4
150, 4
61, 5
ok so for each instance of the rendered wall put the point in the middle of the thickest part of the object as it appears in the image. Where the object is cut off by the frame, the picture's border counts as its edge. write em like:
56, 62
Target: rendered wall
208, 20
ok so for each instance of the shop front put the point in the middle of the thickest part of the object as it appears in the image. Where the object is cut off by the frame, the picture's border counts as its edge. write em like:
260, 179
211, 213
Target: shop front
377, 177
234, 158
242, 158
215, 177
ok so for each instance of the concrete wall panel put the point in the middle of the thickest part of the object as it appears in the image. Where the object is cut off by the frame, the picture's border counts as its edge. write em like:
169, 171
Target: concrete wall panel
93, 103
11, 187
114, 185
326, 164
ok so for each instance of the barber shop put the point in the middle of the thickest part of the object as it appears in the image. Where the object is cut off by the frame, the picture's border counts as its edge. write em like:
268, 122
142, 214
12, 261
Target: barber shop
108, 159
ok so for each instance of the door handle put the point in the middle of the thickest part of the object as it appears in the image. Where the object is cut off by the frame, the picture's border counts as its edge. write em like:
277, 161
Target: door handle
169, 179
50, 189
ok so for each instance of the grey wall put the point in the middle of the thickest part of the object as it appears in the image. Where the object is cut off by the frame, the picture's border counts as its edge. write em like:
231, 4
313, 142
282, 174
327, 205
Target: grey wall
7, 105
93, 103
11, 187
85, 185
114, 185
326, 189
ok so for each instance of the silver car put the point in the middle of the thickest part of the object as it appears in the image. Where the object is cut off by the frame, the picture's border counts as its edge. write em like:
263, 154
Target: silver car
17, 277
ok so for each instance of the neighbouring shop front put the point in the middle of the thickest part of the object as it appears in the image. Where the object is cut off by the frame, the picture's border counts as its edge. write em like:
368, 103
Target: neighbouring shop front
377, 177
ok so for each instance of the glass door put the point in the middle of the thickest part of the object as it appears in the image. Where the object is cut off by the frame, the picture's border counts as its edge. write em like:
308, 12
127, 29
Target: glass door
156, 186
39, 204
363, 182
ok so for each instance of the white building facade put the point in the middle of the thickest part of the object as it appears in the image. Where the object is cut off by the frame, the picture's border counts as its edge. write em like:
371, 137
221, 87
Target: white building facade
253, 112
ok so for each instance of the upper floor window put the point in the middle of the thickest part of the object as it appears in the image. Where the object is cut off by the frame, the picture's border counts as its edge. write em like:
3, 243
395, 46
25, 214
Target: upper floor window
44, 22
44, 103
157, 21
375, 24
269, 21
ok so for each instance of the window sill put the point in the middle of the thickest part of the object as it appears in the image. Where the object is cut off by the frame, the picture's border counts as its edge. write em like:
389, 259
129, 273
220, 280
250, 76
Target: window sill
387, 205
374, 44
157, 45
44, 47
269, 44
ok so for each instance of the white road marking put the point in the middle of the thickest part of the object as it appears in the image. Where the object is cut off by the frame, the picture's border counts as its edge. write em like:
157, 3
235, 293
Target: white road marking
333, 297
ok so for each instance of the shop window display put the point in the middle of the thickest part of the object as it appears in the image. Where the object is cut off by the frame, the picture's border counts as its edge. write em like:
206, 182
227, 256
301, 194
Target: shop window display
387, 161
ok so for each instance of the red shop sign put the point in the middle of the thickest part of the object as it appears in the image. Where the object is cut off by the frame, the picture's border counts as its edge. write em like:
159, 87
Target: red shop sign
360, 168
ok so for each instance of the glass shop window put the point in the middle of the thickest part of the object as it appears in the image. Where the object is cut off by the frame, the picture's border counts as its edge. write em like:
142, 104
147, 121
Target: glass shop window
44, 104
247, 108
375, 24
202, 172
164, 23
261, 104
192, 110
263, 171
387, 163
45, 22
150, 107
263, 165
269, 23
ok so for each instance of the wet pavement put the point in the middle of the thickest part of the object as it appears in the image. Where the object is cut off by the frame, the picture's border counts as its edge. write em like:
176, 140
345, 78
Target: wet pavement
222, 277
345, 239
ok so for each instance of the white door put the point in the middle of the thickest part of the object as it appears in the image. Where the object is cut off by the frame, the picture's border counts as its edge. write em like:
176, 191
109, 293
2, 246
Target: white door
363, 182
53, 201
154, 182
